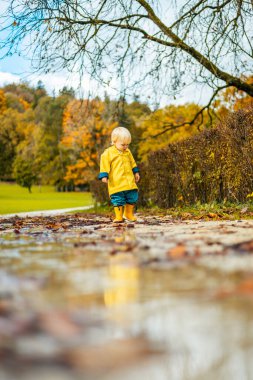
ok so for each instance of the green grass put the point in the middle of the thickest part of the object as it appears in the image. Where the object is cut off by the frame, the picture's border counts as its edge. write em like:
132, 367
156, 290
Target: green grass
14, 198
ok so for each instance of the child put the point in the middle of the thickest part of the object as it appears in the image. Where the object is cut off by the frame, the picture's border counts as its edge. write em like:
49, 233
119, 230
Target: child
119, 170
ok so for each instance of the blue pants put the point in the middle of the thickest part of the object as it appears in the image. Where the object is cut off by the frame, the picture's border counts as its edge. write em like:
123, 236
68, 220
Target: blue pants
123, 197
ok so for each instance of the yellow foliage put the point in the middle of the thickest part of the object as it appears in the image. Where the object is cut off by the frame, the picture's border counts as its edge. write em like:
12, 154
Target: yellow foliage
161, 119
2, 102
86, 134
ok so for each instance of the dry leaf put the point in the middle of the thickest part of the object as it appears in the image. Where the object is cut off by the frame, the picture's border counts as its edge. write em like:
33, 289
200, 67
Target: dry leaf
177, 252
246, 286
212, 215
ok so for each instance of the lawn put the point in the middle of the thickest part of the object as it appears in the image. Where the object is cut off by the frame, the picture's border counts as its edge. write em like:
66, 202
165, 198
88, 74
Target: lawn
14, 198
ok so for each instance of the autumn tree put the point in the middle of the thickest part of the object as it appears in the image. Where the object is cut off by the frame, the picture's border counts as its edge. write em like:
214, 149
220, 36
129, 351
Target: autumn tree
86, 133
39, 92
2, 102
154, 47
25, 168
153, 127
10, 137
31, 132
15, 121
24, 173
127, 115
232, 99
15, 101
26, 95
50, 156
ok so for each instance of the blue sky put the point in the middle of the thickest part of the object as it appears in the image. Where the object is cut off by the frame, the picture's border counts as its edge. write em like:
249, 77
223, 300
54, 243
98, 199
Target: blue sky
16, 69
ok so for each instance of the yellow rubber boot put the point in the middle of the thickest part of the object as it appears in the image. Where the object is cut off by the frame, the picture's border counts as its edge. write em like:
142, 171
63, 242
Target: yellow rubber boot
119, 214
129, 213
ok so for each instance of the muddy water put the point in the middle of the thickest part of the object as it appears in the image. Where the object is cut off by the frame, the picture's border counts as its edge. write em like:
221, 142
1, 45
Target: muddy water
159, 300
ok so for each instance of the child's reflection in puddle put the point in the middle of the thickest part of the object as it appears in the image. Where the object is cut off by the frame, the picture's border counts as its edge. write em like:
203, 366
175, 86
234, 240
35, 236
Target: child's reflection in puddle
123, 286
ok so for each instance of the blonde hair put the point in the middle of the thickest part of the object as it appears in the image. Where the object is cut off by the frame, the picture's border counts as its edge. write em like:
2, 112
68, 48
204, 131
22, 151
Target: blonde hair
122, 134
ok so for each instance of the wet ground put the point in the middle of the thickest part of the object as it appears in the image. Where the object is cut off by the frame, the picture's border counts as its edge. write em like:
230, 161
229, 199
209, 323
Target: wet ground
161, 299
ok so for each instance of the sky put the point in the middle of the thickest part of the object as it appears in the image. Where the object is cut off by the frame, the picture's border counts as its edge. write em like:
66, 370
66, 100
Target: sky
15, 69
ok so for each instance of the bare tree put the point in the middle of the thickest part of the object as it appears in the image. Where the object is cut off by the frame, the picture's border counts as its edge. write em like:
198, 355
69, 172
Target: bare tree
151, 47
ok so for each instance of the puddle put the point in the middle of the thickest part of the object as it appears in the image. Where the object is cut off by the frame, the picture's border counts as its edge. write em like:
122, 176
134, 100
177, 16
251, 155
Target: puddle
117, 303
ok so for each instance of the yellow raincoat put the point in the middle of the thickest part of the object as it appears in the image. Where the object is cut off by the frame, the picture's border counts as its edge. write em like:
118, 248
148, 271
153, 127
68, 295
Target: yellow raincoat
119, 167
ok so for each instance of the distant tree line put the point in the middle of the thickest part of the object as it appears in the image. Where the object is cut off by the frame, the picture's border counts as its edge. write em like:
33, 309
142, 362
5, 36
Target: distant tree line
57, 140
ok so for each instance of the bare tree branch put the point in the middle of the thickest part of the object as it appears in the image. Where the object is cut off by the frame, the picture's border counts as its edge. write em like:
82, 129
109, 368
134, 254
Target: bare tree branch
208, 41
170, 126
210, 66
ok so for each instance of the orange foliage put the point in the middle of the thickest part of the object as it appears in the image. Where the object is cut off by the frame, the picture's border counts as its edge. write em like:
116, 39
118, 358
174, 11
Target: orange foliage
85, 134
232, 99
24, 103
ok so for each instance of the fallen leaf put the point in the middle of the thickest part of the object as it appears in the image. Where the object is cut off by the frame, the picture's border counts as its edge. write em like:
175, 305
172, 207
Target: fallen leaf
212, 215
177, 252
246, 286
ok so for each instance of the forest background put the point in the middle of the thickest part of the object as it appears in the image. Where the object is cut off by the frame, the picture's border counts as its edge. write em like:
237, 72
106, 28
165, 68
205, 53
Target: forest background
58, 141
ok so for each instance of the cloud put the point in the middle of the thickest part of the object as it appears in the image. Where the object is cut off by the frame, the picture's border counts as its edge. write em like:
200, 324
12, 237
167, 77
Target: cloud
197, 93
3, 6
54, 82
85, 87
6, 78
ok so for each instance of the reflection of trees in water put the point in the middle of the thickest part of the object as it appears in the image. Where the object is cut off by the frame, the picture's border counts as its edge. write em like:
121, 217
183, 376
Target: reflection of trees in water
123, 287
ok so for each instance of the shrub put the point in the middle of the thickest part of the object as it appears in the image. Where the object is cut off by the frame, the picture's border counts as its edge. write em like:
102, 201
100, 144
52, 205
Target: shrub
215, 165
